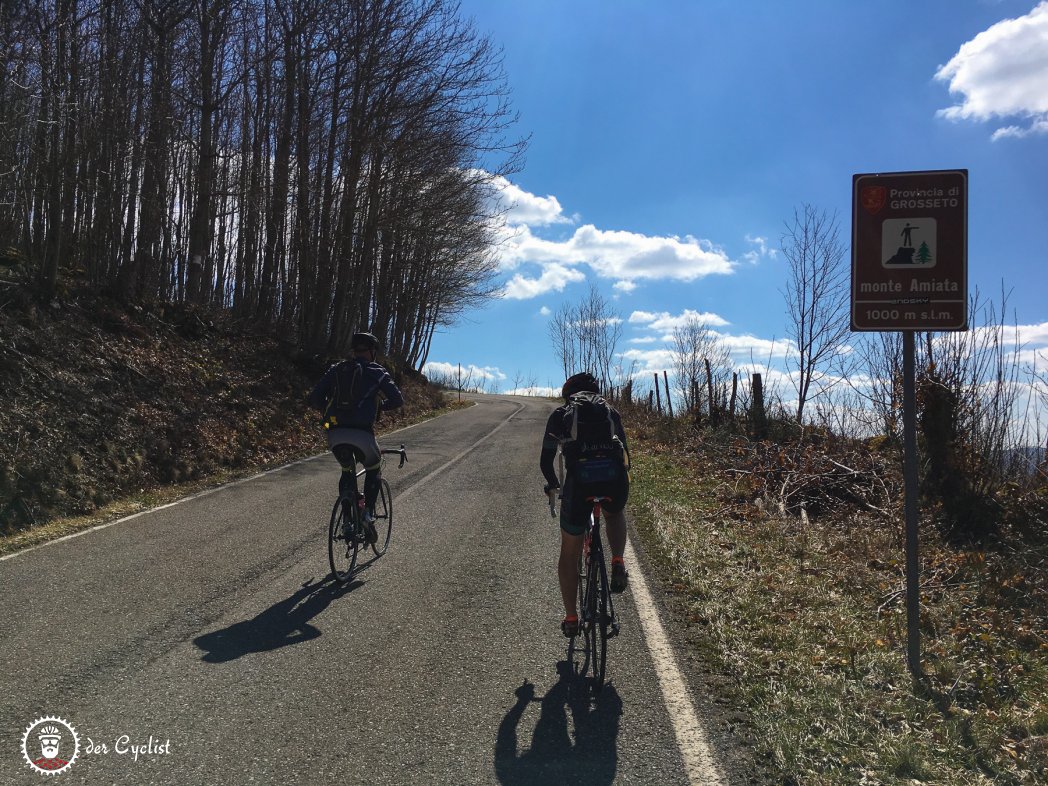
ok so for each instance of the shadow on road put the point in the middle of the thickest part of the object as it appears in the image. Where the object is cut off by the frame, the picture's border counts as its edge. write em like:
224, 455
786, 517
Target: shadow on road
283, 623
589, 760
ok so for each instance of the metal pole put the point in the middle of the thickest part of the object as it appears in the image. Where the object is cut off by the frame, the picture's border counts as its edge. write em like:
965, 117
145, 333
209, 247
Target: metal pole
913, 584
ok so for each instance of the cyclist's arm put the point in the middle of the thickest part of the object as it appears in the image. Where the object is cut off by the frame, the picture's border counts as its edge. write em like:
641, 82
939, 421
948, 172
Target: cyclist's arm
549, 452
393, 397
621, 434
318, 397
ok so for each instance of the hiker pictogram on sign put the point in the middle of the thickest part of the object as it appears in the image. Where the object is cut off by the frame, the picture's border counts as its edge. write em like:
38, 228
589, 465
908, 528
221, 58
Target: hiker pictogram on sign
908, 242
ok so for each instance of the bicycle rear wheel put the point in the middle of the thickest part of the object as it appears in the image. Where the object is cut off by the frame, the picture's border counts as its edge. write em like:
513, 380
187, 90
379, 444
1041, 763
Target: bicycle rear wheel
345, 534
383, 518
595, 611
601, 620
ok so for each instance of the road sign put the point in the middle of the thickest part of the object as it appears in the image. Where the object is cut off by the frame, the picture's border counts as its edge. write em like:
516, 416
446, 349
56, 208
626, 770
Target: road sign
910, 251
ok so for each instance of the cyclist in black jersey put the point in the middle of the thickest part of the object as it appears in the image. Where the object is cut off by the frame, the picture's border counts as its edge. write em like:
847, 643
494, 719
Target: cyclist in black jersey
348, 395
575, 510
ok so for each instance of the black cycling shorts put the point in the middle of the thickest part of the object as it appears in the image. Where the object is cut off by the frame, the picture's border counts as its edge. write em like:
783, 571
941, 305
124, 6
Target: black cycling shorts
575, 509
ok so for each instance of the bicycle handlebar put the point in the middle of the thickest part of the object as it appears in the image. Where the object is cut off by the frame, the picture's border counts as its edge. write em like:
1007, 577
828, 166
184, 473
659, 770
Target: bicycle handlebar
398, 452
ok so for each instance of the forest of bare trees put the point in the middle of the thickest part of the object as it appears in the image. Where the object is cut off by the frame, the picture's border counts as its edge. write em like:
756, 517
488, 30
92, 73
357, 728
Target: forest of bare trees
317, 166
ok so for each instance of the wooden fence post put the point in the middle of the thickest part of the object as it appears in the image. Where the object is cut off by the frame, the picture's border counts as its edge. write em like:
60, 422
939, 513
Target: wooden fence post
758, 417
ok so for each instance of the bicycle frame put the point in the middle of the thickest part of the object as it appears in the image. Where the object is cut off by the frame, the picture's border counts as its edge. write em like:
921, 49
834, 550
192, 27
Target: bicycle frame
398, 452
593, 555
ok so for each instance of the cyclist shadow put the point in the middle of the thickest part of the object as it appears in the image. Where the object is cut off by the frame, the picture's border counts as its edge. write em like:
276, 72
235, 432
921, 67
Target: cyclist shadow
283, 623
590, 759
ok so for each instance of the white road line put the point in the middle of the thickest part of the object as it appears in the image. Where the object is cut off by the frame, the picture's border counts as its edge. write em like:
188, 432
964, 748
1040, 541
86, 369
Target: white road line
699, 761
446, 464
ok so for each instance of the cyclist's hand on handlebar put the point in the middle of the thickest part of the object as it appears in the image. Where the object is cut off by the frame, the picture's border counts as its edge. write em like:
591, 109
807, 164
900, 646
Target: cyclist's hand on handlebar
551, 497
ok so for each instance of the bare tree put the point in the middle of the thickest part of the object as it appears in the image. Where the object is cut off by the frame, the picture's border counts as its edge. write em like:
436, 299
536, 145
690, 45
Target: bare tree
695, 345
880, 357
585, 337
817, 297
319, 165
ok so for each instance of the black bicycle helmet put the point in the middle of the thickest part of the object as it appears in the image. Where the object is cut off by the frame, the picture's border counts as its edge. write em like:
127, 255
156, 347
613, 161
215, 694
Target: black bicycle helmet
364, 341
577, 383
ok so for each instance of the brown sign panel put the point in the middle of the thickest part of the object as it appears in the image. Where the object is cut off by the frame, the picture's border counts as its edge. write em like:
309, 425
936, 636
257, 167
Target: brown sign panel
910, 251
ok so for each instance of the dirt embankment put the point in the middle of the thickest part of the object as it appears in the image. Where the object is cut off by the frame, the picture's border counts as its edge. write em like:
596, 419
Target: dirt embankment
99, 401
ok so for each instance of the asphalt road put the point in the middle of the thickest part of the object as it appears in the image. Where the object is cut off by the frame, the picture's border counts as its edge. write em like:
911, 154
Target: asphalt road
212, 627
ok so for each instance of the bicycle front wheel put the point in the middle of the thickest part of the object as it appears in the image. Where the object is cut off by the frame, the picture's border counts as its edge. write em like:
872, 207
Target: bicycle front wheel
383, 518
345, 534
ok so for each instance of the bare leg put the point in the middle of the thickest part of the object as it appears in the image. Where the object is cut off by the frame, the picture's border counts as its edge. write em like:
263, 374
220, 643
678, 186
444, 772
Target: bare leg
568, 570
616, 529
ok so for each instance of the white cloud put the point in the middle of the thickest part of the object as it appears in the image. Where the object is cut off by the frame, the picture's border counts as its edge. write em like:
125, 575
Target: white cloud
1039, 126
759, 348
745, 349
1003, 72
761, 250
545, 311
626, 257
666, 322
649, 360
554, 278
475, 374
523, 207
1034, 334
622, 256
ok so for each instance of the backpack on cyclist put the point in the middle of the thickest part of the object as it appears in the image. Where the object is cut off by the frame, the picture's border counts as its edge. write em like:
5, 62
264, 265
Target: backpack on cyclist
592, 448
350, 391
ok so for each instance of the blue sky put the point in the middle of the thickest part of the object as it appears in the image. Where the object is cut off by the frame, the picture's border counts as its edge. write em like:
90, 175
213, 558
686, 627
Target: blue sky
672, 140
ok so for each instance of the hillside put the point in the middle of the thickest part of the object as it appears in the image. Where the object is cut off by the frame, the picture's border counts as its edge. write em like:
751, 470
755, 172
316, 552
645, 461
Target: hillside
100, 402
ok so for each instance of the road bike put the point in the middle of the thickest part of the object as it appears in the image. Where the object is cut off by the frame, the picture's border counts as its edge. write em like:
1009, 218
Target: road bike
347, 533
597, 620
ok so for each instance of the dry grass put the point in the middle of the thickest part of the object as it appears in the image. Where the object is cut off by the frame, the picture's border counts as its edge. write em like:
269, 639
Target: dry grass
808, 620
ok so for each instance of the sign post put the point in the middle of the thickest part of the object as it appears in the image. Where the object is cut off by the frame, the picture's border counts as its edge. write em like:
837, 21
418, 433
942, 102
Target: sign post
910, 273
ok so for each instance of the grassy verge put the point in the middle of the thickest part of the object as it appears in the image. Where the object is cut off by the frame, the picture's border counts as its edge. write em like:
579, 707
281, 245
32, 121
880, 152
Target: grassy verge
808, 622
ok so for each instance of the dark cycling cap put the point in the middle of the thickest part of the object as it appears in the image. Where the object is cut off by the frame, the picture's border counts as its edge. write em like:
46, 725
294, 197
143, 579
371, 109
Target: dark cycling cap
364, 341
577, 383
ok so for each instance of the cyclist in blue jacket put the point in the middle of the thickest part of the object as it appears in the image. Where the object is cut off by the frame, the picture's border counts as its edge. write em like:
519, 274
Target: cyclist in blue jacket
348, 395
